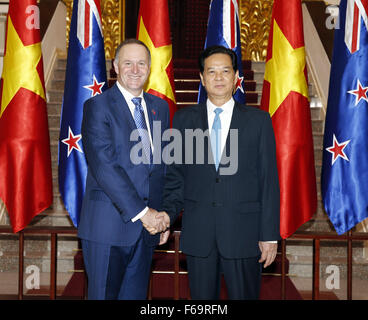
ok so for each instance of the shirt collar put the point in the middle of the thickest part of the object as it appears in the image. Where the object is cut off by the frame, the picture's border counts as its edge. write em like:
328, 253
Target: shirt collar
227, 107
127, 95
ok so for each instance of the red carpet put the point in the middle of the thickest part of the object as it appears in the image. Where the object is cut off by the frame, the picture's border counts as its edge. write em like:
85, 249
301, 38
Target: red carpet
162, 284
163, 288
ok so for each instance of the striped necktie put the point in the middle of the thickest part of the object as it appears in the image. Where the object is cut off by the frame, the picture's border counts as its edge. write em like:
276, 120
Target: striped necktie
216, 137
140, 122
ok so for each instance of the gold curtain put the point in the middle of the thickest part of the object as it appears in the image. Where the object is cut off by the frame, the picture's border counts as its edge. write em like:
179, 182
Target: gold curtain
255, 19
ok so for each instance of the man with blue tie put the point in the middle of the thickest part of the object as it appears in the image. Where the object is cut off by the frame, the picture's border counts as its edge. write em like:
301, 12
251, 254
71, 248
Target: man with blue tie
123, 195
230, 222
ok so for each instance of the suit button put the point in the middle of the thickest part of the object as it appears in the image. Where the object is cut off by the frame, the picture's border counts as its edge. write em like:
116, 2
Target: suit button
218, 180
145, 199
217, 204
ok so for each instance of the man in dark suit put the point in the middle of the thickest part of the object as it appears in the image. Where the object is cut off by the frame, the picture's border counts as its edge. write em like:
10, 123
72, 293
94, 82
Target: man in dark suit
123, 189
230, 223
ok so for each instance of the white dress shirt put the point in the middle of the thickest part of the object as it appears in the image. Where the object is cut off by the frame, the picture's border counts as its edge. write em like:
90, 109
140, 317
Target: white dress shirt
128, 98
225, 118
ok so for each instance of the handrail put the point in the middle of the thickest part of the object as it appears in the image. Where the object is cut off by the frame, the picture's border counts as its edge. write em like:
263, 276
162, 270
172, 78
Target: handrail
317, 59
41, 230
316, 237
53, 232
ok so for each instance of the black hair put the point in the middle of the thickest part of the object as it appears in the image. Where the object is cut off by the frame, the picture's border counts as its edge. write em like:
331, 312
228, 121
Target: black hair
217, 49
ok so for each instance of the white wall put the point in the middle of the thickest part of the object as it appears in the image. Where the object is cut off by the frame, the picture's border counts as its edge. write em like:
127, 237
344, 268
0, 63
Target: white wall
3, 12
54, 40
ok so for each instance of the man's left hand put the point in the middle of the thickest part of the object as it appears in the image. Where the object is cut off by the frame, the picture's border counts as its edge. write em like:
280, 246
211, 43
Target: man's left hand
269, 251
164, 236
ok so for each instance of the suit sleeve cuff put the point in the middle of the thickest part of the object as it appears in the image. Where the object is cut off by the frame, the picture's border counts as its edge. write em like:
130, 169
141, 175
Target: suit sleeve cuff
140, 214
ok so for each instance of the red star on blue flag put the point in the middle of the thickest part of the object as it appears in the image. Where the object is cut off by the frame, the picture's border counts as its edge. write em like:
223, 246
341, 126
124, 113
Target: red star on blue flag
360, 93
95, 87
337, 150
72, 142
239, 84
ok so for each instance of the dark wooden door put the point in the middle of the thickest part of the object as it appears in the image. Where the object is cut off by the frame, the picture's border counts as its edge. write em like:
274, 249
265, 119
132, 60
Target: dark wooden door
188, 20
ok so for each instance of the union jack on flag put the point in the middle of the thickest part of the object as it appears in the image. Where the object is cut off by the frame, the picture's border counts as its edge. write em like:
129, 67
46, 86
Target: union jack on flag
356, 13
85, 78
345, 150
223, 29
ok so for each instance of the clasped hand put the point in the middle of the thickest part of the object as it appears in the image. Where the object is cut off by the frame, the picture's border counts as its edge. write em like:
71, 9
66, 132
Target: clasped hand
155, 221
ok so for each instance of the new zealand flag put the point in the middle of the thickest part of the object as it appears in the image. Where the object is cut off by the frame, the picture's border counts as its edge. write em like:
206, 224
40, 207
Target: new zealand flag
85, 78
345, 150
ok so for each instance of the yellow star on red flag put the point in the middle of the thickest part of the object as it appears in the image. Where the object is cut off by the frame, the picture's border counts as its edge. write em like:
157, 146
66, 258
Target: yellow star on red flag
160, 57
285, 70
20, 67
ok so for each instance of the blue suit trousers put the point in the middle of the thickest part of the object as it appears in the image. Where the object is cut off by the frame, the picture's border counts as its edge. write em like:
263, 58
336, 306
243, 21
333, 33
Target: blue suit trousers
117, 272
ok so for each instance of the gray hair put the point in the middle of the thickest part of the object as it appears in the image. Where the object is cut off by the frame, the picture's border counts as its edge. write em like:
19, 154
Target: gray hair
131, 41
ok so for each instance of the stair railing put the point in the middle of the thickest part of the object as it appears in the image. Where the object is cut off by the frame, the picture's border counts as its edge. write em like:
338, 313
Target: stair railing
316, 237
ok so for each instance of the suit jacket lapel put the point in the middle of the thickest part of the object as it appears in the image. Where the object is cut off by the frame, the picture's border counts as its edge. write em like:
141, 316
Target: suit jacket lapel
151, 111
235, 123
121, 107
203, 124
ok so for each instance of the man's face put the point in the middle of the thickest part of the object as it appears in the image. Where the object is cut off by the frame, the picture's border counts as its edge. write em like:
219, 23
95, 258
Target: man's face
132, 67
219, 78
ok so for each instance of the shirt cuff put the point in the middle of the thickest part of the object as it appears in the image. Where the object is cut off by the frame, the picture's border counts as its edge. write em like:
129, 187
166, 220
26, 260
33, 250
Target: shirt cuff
140, 214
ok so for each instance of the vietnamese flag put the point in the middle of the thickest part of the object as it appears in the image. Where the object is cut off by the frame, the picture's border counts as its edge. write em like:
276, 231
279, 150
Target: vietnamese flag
154, 30
25, 160
285, 97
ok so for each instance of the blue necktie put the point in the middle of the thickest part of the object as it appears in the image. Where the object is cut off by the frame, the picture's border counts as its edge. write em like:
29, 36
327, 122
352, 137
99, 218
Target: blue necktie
140, 122
216, 137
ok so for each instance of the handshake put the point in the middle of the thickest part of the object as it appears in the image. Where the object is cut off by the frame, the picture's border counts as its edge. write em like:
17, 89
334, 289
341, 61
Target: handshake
156, 222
